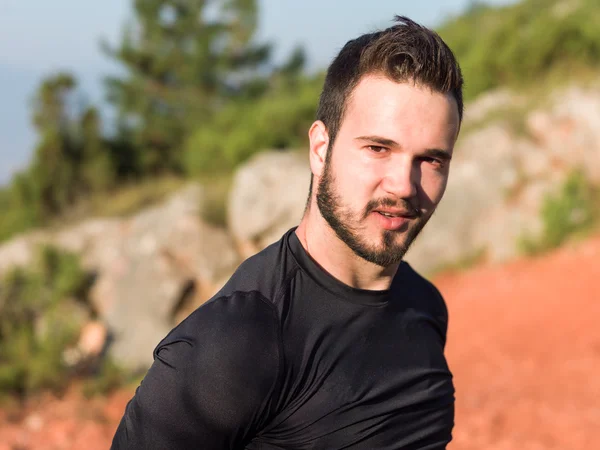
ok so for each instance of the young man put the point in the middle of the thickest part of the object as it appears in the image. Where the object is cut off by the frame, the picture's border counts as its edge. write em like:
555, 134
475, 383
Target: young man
327, 339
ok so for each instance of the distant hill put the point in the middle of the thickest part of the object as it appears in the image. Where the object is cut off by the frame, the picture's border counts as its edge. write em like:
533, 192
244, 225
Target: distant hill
517, 45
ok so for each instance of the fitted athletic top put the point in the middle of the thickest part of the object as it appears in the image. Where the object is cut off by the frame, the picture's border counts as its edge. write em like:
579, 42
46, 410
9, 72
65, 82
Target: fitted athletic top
285, 356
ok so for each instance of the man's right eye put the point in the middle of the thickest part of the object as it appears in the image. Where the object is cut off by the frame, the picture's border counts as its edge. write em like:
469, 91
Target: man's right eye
377, 149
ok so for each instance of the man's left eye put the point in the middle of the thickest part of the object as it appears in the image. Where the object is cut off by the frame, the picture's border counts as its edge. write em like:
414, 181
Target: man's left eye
436, 162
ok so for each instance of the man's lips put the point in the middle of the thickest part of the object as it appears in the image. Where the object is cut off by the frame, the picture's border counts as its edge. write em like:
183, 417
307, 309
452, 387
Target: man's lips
393, 219
396, 213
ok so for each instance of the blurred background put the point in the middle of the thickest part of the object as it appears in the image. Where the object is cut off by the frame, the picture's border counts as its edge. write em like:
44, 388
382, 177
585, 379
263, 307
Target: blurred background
147, 147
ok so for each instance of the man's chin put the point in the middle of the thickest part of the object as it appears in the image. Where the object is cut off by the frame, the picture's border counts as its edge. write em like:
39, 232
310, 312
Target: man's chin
383, 255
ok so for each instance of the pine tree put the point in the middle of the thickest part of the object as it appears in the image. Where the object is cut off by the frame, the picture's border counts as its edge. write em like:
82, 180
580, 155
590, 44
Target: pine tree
71, 160
184, 59
52, 171
96, 173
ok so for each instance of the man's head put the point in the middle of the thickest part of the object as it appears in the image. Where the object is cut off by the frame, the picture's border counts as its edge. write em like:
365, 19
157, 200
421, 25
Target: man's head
387, 121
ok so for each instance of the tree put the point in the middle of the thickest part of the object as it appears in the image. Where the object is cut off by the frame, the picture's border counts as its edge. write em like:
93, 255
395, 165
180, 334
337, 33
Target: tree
52, 169
184, 59
71, 160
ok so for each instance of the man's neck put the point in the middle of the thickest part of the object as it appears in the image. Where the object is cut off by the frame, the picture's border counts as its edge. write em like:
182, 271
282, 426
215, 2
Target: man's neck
324, 246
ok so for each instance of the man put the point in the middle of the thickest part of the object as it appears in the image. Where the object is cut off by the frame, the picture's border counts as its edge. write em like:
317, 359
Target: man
327, 339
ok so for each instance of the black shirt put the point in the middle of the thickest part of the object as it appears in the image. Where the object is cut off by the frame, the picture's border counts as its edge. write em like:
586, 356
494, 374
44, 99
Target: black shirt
285, 356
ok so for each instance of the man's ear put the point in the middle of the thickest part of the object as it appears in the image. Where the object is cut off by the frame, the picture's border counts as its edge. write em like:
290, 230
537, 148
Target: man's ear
319, 142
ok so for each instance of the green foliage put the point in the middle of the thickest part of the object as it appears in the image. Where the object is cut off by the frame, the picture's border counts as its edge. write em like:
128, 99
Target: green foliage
519, 44
184, 60
16, 204
34, 328
71, 160
39, 321
278, 120
571, 212
130, 198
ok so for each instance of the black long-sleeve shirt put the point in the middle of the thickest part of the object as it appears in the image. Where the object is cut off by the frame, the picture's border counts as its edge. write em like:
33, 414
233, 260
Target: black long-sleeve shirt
285, 356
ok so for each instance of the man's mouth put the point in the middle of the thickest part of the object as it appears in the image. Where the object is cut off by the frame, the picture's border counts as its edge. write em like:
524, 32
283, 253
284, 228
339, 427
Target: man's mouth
404, 214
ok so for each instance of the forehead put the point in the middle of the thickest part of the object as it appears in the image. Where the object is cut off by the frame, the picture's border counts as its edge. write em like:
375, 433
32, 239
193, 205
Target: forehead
389, 108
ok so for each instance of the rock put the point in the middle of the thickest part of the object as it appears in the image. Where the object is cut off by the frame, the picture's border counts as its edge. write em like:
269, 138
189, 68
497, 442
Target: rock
267, 198
569, 130
92, 339
489, 102
152, 269
498, 181
21, 251
148, 265
89, 349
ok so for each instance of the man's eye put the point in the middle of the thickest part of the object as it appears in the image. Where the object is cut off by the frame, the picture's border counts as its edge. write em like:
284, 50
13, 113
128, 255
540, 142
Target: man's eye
377, 149
434, 161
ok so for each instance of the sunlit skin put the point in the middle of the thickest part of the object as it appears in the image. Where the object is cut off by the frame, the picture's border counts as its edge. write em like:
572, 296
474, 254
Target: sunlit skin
391, 155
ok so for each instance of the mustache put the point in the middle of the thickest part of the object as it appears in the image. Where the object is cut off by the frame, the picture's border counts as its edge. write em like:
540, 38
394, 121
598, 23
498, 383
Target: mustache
392, 203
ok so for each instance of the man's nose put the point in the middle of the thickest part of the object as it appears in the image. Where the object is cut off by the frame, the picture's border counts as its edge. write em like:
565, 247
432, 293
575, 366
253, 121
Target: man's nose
401, 180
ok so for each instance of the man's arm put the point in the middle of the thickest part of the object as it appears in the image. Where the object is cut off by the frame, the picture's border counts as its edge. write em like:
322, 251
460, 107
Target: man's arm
211, 381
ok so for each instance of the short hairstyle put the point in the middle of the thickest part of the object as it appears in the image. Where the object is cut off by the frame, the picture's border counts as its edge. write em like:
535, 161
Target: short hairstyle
404, 52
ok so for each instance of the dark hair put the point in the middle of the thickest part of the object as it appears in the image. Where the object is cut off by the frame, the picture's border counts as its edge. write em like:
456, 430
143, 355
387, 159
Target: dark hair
404, 52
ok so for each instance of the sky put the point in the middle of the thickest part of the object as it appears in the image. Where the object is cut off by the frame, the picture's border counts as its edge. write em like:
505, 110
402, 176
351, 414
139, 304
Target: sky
41, 37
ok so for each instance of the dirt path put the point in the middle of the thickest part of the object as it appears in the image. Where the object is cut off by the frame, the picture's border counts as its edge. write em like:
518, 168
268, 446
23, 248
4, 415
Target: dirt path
524, 347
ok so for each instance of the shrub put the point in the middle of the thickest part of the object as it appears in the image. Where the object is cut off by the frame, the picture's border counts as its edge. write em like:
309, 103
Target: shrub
279, 120
38, 321
572, 211
519, 44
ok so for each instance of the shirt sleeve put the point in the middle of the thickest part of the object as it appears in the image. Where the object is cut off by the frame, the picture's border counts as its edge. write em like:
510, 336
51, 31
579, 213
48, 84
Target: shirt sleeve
211, 381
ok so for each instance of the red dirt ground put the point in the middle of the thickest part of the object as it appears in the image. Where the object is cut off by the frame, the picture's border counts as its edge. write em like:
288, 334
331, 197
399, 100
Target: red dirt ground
524, 347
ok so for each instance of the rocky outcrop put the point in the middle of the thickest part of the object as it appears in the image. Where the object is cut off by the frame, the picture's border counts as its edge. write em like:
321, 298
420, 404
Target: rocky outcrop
151, 270
161, 262
500, 178
267, 198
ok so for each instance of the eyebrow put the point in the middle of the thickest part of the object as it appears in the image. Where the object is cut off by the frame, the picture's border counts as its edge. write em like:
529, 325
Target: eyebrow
431, 152
379, 140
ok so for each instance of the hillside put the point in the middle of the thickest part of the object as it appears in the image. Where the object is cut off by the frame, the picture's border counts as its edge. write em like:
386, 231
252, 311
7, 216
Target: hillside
525, 43
523, 342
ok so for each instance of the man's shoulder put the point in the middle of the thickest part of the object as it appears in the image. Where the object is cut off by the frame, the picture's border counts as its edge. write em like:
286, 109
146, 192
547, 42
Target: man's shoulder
265, 272
247, 301
423, 288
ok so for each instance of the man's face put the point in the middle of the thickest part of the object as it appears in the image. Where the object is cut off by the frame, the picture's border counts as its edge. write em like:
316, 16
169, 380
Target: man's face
388, 168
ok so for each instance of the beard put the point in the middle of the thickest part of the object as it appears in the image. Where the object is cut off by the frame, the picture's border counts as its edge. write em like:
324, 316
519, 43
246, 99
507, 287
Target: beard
347, 224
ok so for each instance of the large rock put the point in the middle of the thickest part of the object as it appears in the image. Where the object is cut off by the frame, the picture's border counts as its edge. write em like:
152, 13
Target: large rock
267, 198
148, 270
151, 270
569, 130
80, 238
499, 180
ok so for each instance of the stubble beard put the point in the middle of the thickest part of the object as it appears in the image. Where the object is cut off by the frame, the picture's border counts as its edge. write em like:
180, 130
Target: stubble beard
347, 227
